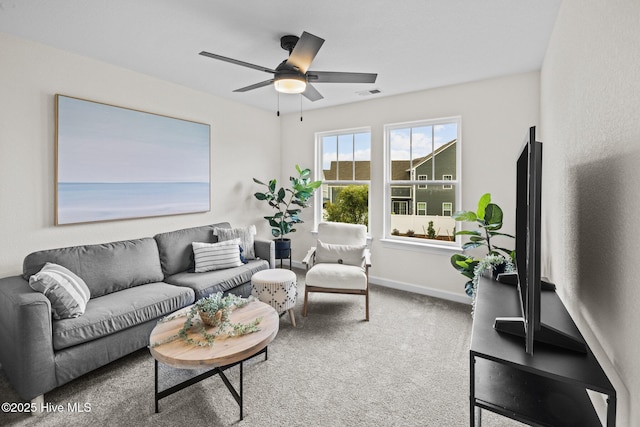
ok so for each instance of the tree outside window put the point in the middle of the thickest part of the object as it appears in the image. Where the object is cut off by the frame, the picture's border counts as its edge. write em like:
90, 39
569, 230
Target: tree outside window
351, 205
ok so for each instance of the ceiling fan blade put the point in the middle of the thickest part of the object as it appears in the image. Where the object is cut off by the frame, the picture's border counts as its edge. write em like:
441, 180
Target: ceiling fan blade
306, 49
340, 77
235, 61
312, 94
255, 86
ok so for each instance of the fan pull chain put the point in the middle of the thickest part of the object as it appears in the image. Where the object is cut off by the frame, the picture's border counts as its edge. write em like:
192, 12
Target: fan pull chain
300, 107
278, 104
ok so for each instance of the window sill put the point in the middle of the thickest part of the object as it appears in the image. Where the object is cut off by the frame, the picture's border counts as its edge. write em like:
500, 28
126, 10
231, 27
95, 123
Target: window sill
420, 247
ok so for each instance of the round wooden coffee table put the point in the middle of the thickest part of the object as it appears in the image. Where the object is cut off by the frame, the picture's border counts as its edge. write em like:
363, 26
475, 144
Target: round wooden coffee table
225, 353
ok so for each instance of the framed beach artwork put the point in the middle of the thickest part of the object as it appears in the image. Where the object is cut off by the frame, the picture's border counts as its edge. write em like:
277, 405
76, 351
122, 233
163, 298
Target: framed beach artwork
116, 163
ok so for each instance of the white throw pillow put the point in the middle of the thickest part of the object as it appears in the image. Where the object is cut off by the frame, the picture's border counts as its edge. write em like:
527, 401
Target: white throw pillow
216, 256
245, 234
67, 292
340, 254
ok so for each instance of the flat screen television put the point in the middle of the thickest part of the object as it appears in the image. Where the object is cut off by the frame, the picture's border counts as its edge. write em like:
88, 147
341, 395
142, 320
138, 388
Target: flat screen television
527, 277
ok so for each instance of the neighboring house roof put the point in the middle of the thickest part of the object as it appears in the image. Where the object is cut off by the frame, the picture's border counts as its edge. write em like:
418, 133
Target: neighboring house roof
346, 169
417, 162
400, 169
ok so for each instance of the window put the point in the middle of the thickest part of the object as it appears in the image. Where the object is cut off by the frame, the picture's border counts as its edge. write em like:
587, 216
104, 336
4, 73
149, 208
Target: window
415, 152
447, 178
447, 209
400, 208
343, 163
422, 178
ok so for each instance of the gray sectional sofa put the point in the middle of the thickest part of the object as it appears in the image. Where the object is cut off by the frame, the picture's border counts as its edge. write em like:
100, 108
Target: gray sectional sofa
133, 283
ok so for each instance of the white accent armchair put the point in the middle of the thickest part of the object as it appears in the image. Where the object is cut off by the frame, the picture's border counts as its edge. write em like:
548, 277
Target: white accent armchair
339, 263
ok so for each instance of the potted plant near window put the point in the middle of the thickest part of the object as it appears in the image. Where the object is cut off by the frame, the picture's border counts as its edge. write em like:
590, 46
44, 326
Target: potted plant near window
288, 203
488, 217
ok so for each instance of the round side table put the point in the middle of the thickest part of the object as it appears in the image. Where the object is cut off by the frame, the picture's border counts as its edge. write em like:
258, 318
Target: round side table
276, 287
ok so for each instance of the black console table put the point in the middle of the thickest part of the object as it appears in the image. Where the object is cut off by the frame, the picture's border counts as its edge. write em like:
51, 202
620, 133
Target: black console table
546, 389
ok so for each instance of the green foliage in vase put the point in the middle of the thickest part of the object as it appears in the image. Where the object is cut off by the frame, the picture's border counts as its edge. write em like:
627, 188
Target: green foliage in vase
488, 217
288, 202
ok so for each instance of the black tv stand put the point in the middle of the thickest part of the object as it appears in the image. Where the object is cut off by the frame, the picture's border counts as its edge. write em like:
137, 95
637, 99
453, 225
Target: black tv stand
512, 279
548, 388
546, 334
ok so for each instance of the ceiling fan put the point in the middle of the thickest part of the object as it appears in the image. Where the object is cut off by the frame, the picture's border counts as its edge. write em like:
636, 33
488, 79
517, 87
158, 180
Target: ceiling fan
293, 74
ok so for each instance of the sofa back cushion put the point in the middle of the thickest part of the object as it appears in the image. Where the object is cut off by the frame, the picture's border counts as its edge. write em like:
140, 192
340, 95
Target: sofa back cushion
176, 252
106, 267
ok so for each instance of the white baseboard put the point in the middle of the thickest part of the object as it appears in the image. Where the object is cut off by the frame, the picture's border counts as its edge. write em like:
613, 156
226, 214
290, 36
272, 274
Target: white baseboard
410, 287
422, 290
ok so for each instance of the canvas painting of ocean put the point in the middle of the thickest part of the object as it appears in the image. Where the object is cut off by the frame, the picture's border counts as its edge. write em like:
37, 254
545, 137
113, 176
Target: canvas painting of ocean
116, 163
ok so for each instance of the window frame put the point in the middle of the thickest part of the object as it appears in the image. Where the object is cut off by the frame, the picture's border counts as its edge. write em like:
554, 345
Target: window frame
318, 174
447, 177
450, 208
399, 204
411, 243
423, 177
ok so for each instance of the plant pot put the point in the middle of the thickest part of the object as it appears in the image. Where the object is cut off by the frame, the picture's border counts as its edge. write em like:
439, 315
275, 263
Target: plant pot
214, 319
498, 269
283, 248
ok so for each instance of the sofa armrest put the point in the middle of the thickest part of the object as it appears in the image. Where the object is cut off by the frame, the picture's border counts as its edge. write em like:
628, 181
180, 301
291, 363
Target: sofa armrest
266, 250
26, 342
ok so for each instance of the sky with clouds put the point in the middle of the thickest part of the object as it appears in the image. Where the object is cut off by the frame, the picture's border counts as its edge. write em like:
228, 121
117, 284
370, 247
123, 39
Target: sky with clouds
405, 143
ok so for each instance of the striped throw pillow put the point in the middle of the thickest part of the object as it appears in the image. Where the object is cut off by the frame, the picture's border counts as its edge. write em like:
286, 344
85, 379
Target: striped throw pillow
67, 292
216, 256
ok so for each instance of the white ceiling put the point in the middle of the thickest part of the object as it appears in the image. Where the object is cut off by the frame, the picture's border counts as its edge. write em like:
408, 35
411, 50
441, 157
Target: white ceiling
411, 44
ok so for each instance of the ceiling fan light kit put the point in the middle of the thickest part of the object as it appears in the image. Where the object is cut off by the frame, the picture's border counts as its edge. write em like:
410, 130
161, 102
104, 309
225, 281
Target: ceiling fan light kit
290, 83
293, 74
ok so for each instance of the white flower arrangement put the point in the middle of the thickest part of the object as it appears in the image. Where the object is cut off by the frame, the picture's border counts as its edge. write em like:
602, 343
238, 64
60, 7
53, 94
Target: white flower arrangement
490, 261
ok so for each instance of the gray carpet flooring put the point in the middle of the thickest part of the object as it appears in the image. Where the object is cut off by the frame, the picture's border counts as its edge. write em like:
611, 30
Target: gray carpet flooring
407, 366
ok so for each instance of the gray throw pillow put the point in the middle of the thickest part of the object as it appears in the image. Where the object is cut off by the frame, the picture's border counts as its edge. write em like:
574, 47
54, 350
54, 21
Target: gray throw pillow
245, 234
67, 292
340, 254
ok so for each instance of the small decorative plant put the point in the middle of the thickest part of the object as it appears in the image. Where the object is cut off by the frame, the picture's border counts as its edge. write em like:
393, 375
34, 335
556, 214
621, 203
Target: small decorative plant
288, 202
213, 310
488, 217
431, 232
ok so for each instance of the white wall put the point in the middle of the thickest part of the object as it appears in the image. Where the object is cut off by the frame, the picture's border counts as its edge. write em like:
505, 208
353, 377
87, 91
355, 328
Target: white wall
244, 143
495, 114
590, 116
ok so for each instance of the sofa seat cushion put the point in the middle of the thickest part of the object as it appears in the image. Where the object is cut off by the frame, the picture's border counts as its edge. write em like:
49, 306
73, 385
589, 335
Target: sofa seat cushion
210, 282
120, 310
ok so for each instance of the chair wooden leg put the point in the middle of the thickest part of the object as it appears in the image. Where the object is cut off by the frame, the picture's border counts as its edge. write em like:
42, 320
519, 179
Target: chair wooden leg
292, 317
366, 296
304, 306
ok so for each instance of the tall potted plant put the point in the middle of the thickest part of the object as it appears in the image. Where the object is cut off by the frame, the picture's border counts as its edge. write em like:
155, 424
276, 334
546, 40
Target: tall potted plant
288, 203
